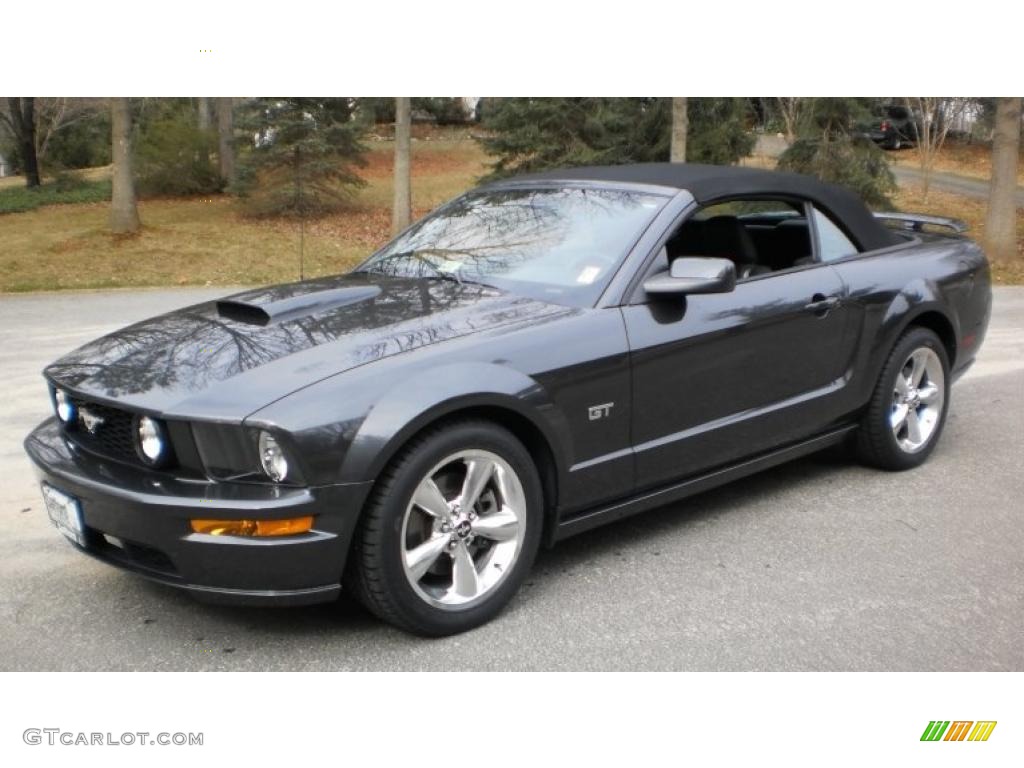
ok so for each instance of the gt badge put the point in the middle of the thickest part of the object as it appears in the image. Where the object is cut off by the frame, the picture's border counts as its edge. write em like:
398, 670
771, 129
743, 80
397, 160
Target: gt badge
600, 411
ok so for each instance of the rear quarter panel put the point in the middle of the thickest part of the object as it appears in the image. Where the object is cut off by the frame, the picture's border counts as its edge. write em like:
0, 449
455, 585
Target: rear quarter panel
888, 290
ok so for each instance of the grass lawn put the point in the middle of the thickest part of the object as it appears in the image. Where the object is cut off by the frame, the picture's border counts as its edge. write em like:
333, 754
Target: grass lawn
207, 242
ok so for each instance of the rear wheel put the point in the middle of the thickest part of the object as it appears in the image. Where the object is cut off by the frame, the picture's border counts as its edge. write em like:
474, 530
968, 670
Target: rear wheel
908, 408
451, 531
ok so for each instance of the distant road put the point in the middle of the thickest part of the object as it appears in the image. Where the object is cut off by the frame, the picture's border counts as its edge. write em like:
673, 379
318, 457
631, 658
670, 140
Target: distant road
951, 182
770, 145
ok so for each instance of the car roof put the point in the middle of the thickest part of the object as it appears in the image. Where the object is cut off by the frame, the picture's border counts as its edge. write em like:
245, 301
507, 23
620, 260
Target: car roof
708, 183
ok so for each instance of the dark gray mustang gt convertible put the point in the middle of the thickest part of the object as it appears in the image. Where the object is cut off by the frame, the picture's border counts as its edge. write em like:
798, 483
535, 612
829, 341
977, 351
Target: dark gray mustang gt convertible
533, 359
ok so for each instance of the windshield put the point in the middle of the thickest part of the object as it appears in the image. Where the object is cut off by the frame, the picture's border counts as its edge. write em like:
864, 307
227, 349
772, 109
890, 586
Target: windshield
556, 244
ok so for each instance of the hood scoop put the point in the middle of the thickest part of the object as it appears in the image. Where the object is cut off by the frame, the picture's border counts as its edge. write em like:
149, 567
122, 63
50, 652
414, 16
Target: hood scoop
279, 310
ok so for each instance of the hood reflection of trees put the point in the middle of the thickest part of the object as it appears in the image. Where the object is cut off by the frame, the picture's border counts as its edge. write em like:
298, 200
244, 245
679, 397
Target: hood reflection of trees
195, 347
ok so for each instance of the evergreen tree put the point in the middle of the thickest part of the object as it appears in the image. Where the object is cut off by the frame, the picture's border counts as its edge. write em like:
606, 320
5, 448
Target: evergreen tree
303, 158
828, 147
527, 134
171, 151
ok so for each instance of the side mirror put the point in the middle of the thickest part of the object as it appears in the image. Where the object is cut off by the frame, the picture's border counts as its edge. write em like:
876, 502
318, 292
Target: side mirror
695, 274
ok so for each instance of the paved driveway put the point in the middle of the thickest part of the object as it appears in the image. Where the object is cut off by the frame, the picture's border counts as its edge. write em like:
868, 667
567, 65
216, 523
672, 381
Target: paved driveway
817, 565
950, 182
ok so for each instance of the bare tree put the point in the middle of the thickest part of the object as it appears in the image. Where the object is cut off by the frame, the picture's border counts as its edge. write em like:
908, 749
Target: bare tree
55, 114
680, 127
34, 121
933, 117
401, 212
1001, 218
20, 119
124, 213
226, 139
791, 110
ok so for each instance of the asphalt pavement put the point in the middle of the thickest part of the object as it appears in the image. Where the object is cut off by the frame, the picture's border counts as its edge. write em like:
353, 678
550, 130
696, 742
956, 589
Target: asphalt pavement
950, 182
817, 565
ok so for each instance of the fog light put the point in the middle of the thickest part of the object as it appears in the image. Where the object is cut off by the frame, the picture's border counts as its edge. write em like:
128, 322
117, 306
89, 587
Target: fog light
66, 410
272, 458
151, 441
286, 527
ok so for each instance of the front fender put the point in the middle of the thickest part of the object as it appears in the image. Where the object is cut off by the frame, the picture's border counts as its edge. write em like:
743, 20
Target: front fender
409, 406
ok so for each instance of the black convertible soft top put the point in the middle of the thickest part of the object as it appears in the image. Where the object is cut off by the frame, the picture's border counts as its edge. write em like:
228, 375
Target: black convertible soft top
708, 183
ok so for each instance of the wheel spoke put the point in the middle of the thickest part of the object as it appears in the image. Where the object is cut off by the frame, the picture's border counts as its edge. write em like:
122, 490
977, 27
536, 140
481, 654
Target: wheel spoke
929, 394
898, 417
465, 581
419, 559
478, 473
430, 499
913, 426
902, 385
918, 360
498, 526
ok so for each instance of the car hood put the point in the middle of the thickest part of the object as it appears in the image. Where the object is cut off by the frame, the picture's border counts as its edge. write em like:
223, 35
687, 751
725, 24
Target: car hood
225, 359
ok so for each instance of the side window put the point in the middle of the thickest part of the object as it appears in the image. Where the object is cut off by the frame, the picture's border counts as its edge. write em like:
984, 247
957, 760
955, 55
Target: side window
832, 243
759, 236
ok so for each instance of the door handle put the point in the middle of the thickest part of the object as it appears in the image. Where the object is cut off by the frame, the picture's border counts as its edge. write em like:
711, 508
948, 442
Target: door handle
821, 304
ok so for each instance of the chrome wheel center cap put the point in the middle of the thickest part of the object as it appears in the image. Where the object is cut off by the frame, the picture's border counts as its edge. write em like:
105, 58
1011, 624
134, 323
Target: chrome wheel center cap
463, 528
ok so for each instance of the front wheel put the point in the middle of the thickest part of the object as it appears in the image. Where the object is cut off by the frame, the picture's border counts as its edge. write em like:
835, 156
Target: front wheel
451, 530
908, 408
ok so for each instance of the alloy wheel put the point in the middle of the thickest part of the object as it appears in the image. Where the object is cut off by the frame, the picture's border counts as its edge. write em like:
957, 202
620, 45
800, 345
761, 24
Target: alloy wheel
463, 529
917, 400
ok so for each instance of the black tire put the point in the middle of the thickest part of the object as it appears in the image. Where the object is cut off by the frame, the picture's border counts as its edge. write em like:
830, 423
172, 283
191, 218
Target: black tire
375, 571
877, 444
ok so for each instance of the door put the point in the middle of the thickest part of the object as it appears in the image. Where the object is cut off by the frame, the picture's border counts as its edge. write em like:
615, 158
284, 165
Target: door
718, 377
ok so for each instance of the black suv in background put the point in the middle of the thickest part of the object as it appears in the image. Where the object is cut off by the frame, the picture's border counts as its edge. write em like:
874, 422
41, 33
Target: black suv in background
892, 127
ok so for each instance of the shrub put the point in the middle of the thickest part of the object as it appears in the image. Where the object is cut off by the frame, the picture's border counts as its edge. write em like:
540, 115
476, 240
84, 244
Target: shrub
852, 162
172, 157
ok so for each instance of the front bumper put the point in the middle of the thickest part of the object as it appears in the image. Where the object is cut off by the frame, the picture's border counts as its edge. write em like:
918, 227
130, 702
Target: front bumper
138, 520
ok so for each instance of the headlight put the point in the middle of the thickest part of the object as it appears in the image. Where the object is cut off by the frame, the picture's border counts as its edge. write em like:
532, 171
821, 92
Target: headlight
272, 458
66, 410
151, 440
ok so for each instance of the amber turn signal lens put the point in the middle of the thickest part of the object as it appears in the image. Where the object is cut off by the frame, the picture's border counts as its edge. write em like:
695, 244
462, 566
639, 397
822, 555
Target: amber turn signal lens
253, 527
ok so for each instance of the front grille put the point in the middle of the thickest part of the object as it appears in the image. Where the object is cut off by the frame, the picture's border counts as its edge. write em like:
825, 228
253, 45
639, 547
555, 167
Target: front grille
112, 433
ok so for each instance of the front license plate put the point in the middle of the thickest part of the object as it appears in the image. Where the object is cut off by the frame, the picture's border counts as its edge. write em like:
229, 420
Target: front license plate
65, 512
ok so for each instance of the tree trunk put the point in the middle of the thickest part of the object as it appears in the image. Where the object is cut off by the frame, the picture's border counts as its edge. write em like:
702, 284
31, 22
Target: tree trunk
124, 214
1001, 218
401, 212
23, 121
203, 110
680, 126
203, 123
789, 107
226, 139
